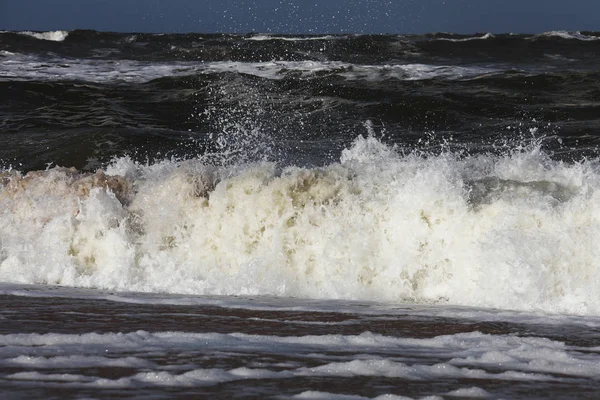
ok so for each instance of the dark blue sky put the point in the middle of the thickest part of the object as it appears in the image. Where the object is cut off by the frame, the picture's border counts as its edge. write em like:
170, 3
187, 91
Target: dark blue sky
302, 16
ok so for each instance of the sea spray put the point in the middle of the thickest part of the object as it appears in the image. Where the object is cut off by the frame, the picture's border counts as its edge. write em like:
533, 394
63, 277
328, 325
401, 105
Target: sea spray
515, 231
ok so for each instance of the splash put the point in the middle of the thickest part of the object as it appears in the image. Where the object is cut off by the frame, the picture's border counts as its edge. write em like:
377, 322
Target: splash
516, 231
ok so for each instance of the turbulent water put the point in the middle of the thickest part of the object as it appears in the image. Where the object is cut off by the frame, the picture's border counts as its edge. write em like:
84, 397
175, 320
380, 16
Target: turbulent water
343, 216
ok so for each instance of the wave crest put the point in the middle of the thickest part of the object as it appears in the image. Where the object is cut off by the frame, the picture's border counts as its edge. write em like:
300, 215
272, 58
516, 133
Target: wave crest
515, 231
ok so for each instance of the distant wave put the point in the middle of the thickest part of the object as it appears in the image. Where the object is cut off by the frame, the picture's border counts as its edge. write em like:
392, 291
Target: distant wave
569, 35
292, 38
483, 37
61, 35
132, 71
524, 49
55, 36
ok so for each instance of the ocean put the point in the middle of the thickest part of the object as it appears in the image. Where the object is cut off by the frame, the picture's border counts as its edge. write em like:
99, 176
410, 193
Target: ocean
299, 216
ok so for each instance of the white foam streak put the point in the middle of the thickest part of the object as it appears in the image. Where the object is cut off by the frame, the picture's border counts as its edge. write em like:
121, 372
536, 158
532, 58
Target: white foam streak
36, 376
76, 361
292, 38
569, 35
54, 36
29, 67
317, 395
467, 356
472, 392
391, 369
279, 70
483, 37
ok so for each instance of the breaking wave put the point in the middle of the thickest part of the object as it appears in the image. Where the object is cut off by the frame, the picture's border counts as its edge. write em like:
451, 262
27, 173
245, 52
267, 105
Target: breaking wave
54, 36
516, 231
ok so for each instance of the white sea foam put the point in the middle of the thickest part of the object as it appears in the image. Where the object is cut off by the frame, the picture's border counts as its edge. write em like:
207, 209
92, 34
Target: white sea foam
36, 376
31, 67
415, 72
568, 35
461, 356
54, 36
483, 37
391, 369
77, 361
469, 393
134, 71
291, 38
513, 232
318, 395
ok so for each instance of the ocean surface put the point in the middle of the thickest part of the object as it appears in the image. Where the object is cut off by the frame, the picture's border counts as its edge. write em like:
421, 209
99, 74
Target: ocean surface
299, 217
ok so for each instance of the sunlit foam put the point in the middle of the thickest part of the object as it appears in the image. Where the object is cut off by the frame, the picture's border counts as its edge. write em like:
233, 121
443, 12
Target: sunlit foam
516, 231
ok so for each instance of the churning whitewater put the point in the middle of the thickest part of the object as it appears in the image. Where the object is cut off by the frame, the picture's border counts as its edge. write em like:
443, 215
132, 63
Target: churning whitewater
515, 231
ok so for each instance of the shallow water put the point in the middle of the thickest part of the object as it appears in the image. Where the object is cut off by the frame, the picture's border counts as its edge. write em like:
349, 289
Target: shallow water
60, 342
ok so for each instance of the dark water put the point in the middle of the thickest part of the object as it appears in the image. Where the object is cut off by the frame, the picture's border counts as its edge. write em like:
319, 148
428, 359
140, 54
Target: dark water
293, 346
92, 96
